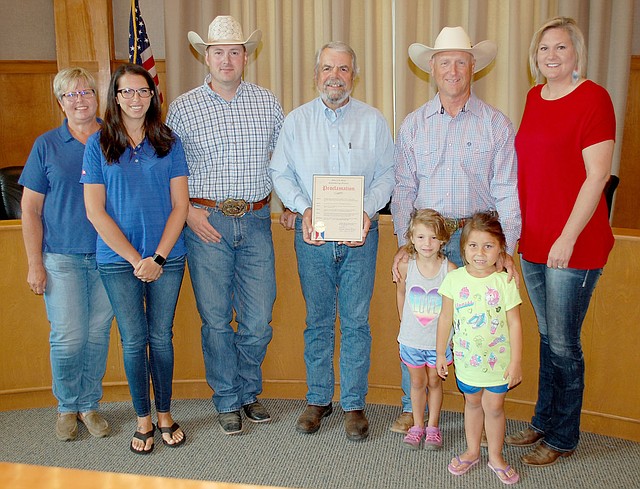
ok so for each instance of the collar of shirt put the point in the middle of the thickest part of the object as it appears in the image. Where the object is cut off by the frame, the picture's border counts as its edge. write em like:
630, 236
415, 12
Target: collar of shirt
434, 106
65, 133
334, 115
212, 92
143, 151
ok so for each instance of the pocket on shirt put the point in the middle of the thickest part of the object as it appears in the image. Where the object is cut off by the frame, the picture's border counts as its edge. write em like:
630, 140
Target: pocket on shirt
426, 162
475, 154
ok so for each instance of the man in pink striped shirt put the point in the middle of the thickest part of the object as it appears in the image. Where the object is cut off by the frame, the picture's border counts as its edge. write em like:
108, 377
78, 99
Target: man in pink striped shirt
454, 154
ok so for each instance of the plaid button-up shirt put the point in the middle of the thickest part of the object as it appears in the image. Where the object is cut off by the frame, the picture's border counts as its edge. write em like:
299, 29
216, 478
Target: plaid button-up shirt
457, 166
227, 144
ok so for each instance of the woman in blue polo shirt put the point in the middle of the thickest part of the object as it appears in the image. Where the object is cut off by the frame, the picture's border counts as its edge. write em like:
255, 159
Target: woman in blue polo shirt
60, 243
136, 194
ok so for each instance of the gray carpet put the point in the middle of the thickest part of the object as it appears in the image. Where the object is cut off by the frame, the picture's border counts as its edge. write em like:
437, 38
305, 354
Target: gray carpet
274, 454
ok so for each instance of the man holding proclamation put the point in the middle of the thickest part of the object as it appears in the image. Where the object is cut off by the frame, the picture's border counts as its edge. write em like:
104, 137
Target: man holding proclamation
336, 135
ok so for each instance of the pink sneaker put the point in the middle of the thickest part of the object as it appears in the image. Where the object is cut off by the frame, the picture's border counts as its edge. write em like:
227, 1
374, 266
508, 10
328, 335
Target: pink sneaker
413, 438
433, 438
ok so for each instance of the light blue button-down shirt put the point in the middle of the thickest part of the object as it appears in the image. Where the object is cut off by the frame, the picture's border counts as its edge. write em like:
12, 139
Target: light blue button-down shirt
315, 140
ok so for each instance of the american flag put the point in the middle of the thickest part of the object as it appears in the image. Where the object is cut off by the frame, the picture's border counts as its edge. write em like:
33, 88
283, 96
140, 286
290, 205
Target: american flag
139, 45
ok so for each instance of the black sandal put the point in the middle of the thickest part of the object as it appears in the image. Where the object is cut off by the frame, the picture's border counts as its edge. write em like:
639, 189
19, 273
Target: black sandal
174, 427
143, 437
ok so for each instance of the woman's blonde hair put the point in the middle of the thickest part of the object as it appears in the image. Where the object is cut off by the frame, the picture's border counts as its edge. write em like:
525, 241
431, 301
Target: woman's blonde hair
577, 39
431, 219
65, 80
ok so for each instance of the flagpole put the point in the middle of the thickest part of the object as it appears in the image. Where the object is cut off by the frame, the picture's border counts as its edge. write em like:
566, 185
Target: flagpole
134, 22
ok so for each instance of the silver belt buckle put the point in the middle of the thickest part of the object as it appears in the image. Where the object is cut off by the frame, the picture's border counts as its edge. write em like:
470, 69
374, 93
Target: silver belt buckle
234, 207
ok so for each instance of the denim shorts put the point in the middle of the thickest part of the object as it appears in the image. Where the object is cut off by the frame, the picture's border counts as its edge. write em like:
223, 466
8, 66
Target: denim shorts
417, 358
469, 389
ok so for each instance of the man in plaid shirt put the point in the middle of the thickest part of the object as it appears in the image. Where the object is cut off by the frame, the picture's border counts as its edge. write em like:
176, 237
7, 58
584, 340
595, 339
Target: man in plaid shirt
229, 129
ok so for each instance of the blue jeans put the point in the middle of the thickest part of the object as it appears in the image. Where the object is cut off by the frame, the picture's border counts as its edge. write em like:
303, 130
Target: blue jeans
560, 299
336, 276
145, 312
237, 274
452, 252
80, 315
452, 249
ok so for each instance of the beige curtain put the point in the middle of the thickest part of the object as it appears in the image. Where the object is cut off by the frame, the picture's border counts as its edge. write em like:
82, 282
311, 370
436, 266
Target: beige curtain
292, 32
380, 31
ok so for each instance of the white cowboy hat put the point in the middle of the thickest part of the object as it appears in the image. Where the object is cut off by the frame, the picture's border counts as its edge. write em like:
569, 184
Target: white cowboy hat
224, 30
453, 39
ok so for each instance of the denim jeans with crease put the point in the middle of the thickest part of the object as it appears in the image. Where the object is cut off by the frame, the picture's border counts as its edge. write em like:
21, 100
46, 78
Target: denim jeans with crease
144, 313
452, 252
80, 316
337, 277
560, 299
237, 274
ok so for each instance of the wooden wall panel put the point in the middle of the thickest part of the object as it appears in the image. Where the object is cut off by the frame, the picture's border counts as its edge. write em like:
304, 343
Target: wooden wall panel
606, 330
625, 213
28, 107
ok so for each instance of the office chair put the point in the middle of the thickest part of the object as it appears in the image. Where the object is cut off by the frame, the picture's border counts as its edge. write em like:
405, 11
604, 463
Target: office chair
10, 192
610, 189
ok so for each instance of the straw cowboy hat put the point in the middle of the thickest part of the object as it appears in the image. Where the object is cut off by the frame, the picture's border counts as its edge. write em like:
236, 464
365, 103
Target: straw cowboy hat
453, 39
225, 30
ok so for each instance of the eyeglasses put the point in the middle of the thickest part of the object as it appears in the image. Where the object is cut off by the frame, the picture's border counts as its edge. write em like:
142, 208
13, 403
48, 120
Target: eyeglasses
130, 92
88, 93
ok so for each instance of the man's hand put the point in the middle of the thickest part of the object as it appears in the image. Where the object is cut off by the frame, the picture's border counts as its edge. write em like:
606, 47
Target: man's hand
198, 222
307, 228
366, 225
288, 219
401, 255
505, 262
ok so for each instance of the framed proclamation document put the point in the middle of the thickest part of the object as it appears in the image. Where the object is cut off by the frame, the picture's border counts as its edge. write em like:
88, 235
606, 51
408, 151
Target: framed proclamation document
337, 207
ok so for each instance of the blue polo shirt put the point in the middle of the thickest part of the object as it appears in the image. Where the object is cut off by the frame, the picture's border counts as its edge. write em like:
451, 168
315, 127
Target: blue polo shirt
138, 196
53, 169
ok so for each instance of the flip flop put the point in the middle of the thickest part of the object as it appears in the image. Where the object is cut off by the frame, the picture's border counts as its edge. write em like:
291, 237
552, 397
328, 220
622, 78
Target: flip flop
143, 437
174, 427
504, 478
463, 466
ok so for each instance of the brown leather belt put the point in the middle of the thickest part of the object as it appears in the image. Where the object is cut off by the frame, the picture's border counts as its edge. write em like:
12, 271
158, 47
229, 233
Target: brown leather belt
453, 223
232, 207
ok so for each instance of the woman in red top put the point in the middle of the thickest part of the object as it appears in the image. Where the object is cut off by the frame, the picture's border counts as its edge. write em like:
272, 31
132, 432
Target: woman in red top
565, 147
